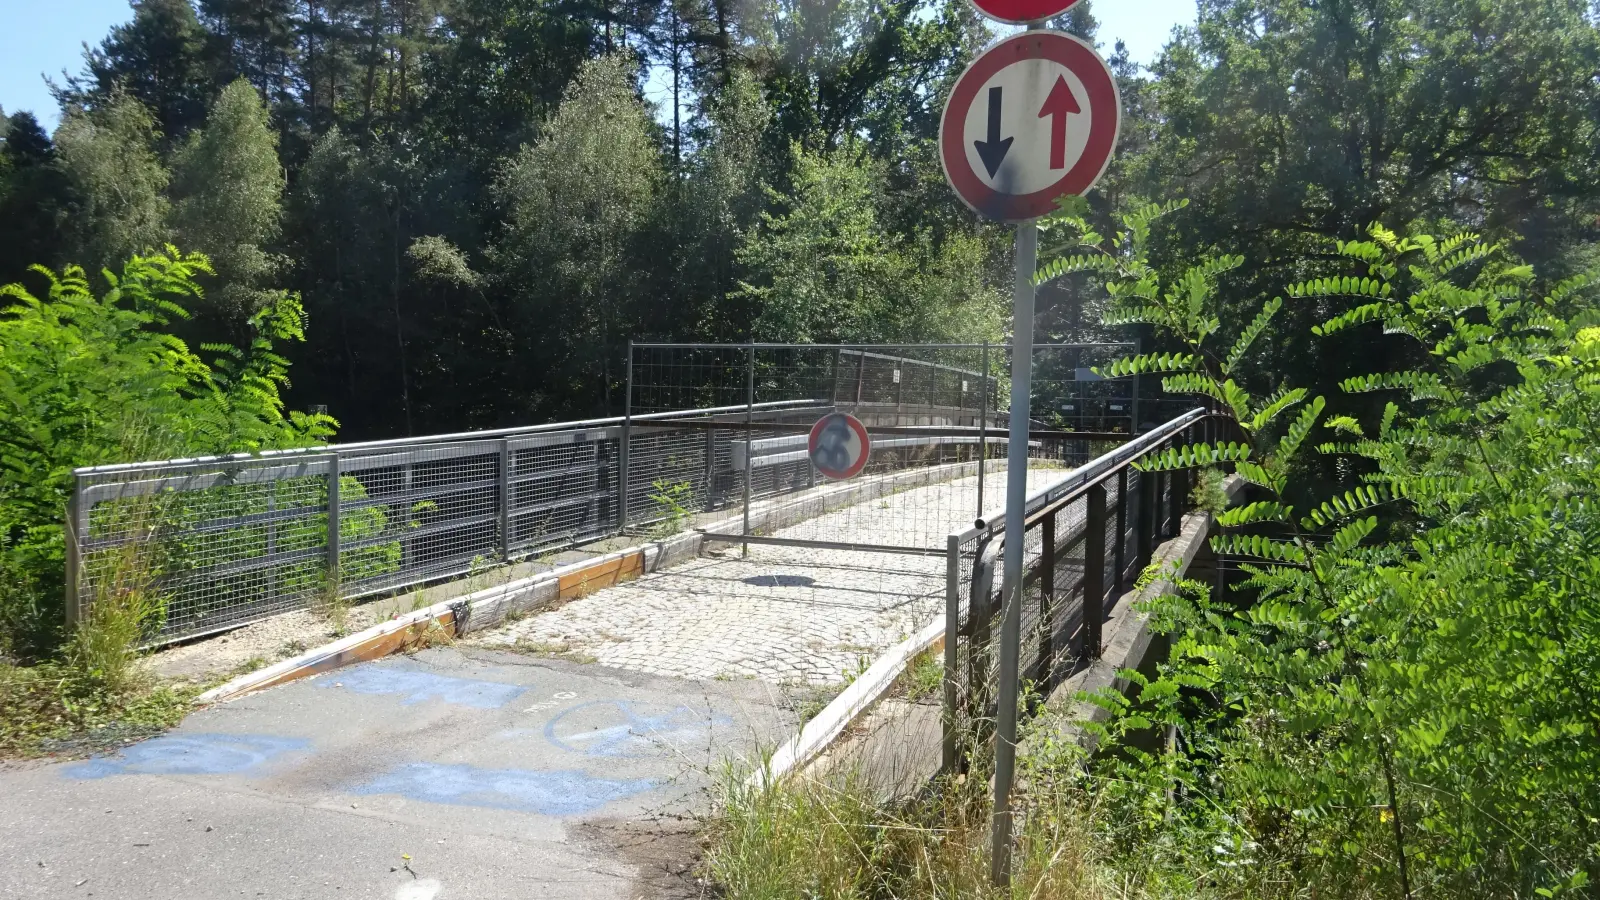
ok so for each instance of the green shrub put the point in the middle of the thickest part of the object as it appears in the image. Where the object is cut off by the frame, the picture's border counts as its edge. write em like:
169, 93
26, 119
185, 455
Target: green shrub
88, 380
1400, 700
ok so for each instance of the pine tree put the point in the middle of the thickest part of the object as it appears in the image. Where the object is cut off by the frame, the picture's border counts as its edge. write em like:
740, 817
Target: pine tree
163, 58
33, 197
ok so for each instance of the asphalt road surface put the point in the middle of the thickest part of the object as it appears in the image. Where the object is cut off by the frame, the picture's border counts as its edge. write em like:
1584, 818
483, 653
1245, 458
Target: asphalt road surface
456, 773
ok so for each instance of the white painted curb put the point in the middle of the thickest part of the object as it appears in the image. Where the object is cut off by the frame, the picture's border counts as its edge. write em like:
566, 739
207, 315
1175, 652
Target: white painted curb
852, 703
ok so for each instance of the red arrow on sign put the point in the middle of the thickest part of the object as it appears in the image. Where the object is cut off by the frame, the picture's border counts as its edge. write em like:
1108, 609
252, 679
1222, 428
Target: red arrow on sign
1012, 162
1058, 106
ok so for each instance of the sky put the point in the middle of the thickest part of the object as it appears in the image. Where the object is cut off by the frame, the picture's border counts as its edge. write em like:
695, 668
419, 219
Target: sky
43, 37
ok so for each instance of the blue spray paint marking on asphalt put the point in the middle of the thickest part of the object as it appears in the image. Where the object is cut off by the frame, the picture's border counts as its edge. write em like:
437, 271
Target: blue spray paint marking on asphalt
419, 686
188, 754
637, 734
557, 793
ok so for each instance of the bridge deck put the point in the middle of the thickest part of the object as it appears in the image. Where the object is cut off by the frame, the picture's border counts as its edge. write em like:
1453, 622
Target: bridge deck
785, 615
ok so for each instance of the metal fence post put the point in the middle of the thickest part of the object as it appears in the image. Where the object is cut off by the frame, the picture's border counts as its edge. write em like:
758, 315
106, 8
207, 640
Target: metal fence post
1120, 557
952, 634
333, 524
983, 425
622, 452
1094, 571
1138, 347
711, 468
74, 560
1145, 528
1047, 597
505, 501
1176, 499
749, 420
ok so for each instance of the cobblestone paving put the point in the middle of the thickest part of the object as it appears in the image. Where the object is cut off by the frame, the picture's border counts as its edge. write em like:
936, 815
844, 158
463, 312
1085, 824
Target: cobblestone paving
782, 614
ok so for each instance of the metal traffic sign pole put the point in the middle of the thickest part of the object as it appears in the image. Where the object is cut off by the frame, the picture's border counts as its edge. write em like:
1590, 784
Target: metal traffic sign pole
1005, 742
1033, 118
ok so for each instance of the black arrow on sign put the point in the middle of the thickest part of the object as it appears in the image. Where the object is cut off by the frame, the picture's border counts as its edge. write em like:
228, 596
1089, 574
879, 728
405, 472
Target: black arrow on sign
993, 151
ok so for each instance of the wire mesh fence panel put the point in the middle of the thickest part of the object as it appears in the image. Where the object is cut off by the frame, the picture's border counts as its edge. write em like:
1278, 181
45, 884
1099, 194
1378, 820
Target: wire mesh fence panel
219, 542
561, 489
1069, 394
708, 428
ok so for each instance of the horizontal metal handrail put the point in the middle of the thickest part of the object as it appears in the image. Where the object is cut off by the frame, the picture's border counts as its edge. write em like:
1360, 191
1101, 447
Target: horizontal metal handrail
1092, 471
457, 437
692, 345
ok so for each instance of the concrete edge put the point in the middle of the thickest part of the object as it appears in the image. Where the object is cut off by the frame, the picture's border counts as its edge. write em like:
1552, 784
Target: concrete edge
1128, 638
851, 704
490, 607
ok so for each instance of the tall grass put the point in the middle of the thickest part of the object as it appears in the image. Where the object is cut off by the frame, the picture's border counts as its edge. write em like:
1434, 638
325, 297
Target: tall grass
831, 838
96, 693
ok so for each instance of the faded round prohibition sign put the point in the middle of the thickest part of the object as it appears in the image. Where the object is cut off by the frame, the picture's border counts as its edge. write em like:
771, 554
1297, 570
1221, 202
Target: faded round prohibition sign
1023, 12
1034, 118
839, 446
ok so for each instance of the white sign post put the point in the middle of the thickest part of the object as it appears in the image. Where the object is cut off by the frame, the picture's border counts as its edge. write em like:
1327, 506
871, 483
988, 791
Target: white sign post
1034, 118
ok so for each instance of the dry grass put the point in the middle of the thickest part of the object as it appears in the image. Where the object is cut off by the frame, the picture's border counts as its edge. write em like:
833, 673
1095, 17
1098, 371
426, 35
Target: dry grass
830, 838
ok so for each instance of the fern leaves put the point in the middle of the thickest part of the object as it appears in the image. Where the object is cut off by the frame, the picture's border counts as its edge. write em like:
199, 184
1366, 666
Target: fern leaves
1149, 363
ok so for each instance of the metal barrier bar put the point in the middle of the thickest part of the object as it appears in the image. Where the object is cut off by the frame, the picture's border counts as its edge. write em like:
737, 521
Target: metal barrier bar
627, 433
433, 440
1047, 588
820, 545
759, 345
952, 666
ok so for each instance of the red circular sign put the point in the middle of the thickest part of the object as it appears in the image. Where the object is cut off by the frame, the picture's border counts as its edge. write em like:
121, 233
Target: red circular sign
1015, 114
1023, 12
839, 446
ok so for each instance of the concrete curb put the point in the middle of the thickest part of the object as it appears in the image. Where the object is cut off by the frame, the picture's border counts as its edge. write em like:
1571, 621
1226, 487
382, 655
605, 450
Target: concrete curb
490, 606
852, 703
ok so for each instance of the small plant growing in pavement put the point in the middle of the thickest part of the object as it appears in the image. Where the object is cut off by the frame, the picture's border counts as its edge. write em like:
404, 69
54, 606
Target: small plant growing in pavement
673, 501
924, 677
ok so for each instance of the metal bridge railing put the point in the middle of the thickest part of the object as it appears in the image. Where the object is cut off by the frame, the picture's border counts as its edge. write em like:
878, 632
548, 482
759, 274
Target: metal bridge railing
229, 540
1088, 536
224, 541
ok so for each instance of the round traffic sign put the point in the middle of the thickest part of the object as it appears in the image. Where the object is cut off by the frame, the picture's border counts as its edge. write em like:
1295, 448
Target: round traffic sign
1023, 12
839, 445
1034, 118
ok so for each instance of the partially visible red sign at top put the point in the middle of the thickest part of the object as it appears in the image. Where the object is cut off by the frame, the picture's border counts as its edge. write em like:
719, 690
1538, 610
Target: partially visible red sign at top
1023, 12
